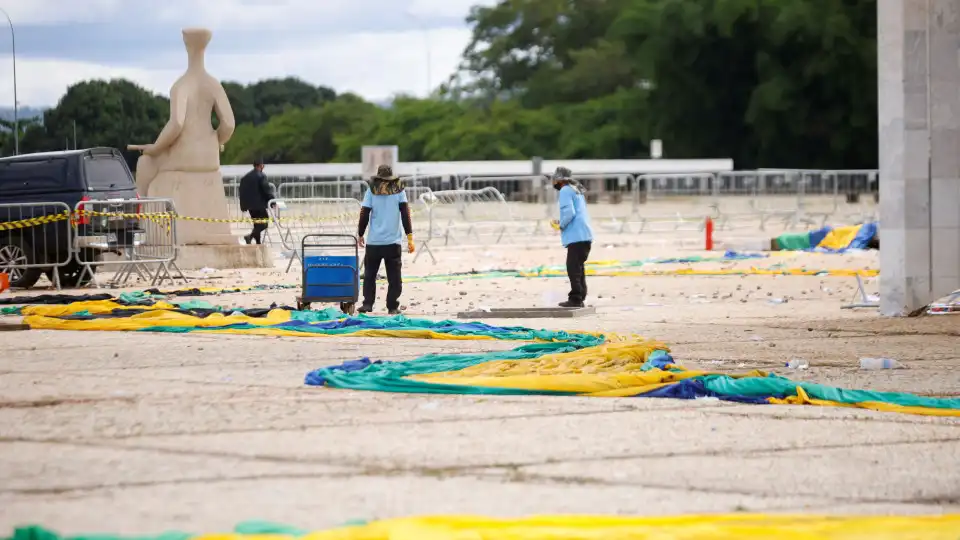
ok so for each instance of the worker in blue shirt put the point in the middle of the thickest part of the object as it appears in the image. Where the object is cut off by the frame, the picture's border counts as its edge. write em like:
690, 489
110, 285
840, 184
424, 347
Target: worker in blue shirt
385, 209
575, 233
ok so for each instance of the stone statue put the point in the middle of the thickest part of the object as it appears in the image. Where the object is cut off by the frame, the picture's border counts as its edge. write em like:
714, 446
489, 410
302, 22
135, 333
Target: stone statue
183, 164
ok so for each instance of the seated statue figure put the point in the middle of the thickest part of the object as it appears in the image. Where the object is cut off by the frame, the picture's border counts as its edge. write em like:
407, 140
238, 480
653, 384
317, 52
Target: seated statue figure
183, 164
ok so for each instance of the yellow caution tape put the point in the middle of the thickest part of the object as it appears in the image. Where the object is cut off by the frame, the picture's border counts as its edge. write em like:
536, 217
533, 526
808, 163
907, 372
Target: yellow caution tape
33, 222
164, 217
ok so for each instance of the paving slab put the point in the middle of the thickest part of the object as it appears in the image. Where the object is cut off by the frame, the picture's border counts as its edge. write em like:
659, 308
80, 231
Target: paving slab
57, 467
814, 414
143, 432
528, 313
876, 472
243, 412
518, 441
323, 502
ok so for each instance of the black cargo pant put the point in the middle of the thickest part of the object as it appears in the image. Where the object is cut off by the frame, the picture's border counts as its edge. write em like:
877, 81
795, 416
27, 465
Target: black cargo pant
391, 257
258, 228
577, 254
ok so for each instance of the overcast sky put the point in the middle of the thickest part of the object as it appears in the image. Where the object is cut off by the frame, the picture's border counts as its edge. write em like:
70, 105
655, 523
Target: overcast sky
375, 48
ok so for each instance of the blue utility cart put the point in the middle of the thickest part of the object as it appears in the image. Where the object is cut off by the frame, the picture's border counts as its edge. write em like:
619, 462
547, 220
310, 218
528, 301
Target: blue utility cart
331, 271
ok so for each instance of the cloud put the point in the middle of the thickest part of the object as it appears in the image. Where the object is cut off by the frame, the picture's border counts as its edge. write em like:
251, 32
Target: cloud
376, 48
445, 8
46, 12
374, 65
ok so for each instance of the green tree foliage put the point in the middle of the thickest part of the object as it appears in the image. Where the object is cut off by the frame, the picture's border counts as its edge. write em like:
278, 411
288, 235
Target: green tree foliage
99, 113
770, 83
258, 102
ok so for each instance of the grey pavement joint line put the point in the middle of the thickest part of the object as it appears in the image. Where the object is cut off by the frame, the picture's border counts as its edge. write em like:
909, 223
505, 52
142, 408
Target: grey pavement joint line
418, 421
510, 465
510, 474
895, 418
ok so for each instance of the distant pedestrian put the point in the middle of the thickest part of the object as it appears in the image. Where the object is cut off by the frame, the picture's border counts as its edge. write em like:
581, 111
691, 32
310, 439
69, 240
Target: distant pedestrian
256, 192
386, 210
575, 233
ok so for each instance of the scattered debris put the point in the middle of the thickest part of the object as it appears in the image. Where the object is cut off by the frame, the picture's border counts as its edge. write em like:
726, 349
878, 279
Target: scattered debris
12, 327
871, 364
946, 305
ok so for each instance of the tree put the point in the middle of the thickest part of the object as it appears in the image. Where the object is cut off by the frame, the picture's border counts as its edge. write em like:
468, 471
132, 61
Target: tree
7, 142
786, 83
303, 135
259, 102
767, 82
105, 113
770, 83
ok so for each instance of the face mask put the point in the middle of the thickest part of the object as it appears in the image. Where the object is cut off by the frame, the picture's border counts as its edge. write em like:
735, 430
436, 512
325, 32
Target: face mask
557, 186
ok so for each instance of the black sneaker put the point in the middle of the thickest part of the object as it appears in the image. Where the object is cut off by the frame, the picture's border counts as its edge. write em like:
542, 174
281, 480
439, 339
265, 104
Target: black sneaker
248, 239
365, 309
570, 304
395, 311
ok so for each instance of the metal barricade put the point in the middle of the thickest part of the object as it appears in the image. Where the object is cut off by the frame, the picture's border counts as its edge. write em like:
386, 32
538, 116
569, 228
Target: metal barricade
438, 182
326, 189
231, 190
852, 184
682, 201
818, 197
474, 213
421, 216
136, 236
295, 218
511, 188
752, 198
36, 239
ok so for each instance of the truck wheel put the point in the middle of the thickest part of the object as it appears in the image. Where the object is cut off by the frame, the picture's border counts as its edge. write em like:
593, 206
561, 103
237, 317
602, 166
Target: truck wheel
17, 251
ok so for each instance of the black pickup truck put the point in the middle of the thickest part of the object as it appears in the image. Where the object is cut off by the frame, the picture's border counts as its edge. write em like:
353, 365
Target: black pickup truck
39, 186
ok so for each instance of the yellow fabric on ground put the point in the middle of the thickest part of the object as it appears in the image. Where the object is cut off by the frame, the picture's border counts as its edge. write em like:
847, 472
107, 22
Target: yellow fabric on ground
608, 370
802, 398
841, 272
94, 307
687, 527
839, 238
408, 334
149, 319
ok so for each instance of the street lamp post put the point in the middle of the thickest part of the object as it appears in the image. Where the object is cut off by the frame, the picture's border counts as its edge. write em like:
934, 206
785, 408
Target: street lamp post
16, 115
426, 42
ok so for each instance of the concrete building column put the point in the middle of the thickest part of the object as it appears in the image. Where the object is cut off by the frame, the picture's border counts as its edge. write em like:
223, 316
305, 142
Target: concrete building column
918, 73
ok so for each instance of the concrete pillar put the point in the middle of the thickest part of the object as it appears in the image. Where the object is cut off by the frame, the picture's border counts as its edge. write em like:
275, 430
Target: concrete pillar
918, 68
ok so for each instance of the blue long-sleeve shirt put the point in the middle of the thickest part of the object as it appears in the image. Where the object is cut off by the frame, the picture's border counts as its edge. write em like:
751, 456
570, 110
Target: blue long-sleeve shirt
574, 219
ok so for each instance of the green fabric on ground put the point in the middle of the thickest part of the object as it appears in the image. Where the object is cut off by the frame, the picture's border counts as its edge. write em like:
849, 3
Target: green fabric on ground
794, 241
319, 315
34, 532
389, 376
137, 297
777, 386
194, 304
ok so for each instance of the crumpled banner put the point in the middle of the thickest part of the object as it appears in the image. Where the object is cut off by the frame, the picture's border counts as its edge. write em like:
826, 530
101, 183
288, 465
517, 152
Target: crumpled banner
553, 363
583, 527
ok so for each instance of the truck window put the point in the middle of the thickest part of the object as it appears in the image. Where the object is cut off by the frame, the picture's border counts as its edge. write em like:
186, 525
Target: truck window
106, 173
32, 176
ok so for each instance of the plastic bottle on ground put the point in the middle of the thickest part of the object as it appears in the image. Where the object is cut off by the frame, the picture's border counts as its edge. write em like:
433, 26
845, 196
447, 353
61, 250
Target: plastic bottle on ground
798, 363
880, 363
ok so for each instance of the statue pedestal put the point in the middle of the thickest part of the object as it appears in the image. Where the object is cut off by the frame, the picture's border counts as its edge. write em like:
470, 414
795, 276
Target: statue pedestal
205, 242
200, 196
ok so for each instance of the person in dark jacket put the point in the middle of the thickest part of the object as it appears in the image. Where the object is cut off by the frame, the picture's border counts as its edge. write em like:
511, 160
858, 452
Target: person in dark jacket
386, 210
255, 194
